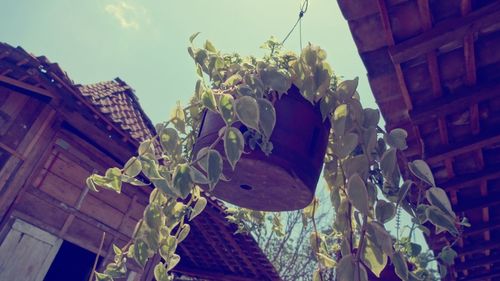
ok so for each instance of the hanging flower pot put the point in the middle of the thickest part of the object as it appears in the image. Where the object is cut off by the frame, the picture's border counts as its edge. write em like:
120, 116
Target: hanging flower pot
286, 178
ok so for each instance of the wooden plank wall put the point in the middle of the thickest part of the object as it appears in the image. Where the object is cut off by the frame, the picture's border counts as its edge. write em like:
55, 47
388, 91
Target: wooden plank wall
25, 131
42, 178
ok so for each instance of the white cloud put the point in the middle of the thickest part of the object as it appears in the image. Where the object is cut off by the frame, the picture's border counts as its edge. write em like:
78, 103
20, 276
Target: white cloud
127, 15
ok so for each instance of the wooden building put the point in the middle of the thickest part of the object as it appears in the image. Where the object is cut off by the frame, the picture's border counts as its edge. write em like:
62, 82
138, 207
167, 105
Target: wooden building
53, 134
434, 69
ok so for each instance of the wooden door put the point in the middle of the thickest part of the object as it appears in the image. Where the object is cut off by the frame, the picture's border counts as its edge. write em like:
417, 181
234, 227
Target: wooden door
27, 252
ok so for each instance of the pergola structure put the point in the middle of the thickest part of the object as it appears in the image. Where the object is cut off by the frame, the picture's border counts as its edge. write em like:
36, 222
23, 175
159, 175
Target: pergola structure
434, 69
54, 134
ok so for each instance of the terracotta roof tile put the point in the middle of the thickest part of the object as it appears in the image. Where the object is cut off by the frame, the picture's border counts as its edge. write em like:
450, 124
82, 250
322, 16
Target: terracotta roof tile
118, 102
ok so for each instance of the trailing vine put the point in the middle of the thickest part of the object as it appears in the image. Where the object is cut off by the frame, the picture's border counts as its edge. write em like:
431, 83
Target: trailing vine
361, 171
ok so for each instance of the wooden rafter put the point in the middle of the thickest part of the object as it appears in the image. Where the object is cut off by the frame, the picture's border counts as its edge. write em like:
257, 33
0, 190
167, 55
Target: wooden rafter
445, 32
460, 99
488, 137
482, 277
477, 262
491, 172
211, 275
478, 203
479, 247
384, 16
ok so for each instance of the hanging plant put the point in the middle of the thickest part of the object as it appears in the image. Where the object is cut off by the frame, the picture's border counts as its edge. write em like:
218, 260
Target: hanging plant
360, 162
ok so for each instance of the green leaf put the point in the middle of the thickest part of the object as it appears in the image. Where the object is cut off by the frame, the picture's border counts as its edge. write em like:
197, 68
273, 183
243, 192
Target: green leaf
403, 191
384, 211
326, 261
226, 107
414, 249
373, 257
200, 205
141, 252
169, 140
400, 265
152, 216
397, 139
371, 117
327, 105
167, 247
198, 177
184, 233
388, 162
247, 111
448, 255
345, 145
182, 181
317, 275
380, 237
267, 116
149, 166
163, 185
348, 270
117, 250
347, 88
214, 168
146, 147
357, 194
193, 36
133, 167
179, 118
210, 47
440, 219
357, 164
103, 277
90, 184
174, 260
245, 90
233, 80
276, 79
422, 171
234, 144
161, 273
208, 100
437, 197
339, 119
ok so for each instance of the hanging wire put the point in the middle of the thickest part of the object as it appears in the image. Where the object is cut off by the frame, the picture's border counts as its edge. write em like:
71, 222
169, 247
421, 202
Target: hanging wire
303, 10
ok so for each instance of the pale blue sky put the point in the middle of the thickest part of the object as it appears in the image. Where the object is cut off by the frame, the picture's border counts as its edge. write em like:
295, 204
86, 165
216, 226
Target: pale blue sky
144, 41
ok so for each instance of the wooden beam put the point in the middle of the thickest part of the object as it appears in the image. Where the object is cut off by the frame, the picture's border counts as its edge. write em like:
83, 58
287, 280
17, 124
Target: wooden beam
459, 100
491, 172
478, 228
71, 210
479, 247
489, 136
386, 24
477, 262
23, 87
211, 275
445, 32
482, 277
477, 203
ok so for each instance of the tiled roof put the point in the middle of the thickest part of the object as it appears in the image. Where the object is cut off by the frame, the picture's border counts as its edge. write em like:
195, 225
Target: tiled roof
117, 101
238, 256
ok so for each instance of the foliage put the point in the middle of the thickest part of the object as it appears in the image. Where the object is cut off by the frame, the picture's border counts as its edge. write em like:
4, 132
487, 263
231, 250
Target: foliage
284, 238
360, 162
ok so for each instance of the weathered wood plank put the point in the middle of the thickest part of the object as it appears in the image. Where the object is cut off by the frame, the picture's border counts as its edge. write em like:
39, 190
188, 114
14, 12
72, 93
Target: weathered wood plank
461, 99
444, 32
60, 189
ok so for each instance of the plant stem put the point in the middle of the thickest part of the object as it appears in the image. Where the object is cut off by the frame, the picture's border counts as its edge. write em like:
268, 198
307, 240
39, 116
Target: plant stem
97, 257
317, 236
